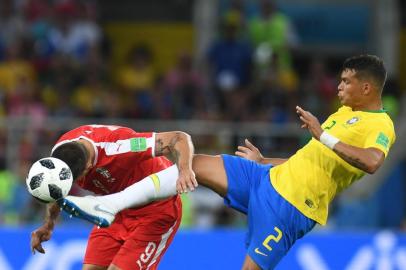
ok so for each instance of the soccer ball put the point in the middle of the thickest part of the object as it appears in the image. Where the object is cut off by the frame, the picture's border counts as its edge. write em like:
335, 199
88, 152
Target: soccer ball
49, 179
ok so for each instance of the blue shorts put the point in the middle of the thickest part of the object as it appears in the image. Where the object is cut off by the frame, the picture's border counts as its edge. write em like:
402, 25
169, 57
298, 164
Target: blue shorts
273, 223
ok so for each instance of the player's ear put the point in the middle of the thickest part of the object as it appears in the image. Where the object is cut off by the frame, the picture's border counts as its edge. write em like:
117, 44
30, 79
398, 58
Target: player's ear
366, 88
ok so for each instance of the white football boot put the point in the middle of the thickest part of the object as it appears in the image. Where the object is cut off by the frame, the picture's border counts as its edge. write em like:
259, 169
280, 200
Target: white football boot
88, 208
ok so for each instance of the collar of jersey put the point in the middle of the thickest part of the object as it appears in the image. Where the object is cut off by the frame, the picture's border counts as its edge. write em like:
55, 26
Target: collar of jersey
370, 111
376, 111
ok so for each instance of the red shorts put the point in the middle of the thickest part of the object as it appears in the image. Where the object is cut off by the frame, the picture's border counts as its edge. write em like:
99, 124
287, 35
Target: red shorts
137, 239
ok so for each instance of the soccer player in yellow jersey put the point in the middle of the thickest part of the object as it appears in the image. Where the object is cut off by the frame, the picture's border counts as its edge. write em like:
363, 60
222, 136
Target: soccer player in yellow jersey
285, 198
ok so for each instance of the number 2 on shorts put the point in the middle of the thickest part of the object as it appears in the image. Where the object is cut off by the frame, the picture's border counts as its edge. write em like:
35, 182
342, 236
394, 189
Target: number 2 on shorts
271, 237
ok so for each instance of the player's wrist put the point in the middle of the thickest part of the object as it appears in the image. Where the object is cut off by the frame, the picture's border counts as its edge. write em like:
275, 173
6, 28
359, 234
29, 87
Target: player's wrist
49, 225
328, 140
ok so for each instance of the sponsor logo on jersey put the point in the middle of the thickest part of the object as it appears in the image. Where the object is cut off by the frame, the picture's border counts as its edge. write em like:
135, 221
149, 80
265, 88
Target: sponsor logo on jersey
260, 253
106, 174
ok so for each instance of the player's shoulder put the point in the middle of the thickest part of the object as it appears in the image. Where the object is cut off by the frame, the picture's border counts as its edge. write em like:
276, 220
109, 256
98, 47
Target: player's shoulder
381, 122
378, 119
342, 111
105, 130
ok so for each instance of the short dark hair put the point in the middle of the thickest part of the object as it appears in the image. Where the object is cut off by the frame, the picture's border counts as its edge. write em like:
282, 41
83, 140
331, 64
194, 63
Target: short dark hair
367, 66
74, 154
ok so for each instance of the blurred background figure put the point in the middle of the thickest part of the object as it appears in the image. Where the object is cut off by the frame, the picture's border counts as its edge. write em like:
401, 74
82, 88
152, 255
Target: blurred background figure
229, 60
273, 36
137, 80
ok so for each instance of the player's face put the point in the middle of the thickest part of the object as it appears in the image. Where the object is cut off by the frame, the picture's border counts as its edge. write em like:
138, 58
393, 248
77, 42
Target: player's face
350, 89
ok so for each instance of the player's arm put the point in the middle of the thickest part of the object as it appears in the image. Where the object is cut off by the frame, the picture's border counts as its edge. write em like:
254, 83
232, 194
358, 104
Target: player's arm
366, 159
249, 151
178, 147
44, 232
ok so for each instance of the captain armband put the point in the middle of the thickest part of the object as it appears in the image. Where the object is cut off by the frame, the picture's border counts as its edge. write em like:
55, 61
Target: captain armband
328, 140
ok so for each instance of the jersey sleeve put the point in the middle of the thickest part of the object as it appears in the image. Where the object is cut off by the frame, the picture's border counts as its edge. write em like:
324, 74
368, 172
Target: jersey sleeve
126, 140
381, 137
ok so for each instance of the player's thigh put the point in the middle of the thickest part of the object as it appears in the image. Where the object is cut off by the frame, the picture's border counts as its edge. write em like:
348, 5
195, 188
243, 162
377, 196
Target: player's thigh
249, 264
148, 242
268, 245
102, 246
273, 225
267, 238
210, 172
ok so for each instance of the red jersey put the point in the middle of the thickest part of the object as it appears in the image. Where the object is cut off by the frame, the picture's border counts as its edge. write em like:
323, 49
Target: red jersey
122, 157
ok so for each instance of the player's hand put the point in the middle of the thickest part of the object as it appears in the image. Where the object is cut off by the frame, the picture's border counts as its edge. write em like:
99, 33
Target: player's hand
249, 151
186, 181
38, 236
310, 122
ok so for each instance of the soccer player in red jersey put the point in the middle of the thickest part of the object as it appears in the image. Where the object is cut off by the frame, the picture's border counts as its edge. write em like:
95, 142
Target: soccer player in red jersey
107, 159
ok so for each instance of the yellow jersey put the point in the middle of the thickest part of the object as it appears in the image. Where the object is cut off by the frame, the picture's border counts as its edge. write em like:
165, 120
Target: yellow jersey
312, 177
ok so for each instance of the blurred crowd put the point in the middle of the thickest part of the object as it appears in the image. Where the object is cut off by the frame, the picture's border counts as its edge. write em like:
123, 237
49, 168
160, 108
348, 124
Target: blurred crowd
55, 60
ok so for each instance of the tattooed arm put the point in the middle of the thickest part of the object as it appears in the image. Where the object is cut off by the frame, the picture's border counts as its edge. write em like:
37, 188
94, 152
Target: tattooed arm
178, 147
366, 159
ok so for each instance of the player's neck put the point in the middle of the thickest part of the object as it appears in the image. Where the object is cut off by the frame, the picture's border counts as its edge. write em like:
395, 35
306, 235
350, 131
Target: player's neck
368, 106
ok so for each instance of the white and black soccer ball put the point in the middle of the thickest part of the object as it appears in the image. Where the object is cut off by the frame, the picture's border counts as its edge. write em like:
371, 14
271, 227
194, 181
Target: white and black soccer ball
49, 179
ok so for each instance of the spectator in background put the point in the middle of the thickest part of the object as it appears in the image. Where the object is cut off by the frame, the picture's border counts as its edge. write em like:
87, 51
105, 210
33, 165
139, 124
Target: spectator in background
137, 79
15, 70
57, 89
184, 87
229, 61
86, 22
236, 10
38, 14
25, 101
272, 34
12, 26
90, 98
73, 35
319, 90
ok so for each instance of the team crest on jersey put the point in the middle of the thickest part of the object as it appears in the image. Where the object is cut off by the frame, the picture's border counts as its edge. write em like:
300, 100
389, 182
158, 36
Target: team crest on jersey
353, 120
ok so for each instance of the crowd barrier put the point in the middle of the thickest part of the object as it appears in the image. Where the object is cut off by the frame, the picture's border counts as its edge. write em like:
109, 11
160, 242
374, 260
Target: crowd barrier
217, 249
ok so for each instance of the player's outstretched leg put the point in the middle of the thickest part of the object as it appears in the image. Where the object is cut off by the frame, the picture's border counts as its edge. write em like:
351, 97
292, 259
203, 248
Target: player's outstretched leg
100, 210
89, 208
